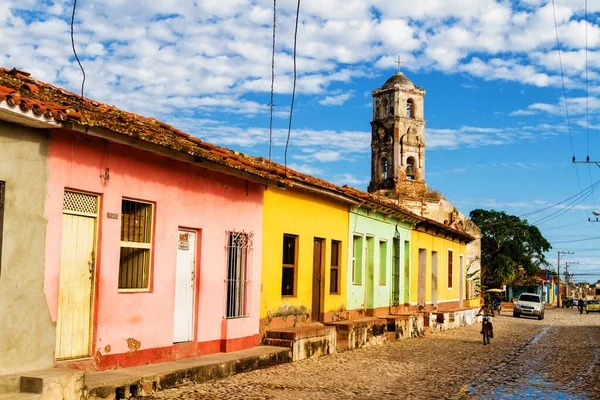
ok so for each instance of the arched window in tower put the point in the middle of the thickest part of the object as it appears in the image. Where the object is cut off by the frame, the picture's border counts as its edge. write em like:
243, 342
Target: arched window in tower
384, 108
410, 108
410, 168
384, 169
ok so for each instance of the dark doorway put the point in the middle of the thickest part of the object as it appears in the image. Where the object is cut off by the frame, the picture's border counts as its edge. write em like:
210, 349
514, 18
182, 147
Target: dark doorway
316, 314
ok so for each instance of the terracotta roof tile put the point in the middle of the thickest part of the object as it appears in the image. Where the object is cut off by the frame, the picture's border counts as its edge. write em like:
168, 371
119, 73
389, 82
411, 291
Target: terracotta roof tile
18, 88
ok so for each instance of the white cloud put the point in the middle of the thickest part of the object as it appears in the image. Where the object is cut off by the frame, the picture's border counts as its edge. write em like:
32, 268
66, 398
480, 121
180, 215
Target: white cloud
336, 100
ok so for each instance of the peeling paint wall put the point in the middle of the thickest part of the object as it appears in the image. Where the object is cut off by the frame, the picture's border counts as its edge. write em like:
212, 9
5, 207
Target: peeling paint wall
26, 331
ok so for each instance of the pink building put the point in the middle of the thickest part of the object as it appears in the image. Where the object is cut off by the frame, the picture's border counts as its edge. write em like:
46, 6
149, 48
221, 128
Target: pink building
152, 237
170, 241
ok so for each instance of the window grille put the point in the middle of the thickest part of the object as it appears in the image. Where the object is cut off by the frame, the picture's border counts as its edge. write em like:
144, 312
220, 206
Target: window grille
239, 244
77, 202
136, 244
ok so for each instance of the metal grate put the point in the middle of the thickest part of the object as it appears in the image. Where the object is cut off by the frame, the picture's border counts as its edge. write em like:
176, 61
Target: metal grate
238, 246
80, 202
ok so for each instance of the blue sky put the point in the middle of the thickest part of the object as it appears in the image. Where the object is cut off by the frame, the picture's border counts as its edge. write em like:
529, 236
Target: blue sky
497, 134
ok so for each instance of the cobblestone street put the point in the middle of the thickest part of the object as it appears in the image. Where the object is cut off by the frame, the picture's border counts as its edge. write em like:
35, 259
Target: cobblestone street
553, 358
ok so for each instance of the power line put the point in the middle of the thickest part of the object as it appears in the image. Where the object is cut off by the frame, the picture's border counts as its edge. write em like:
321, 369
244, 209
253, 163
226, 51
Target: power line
562, 76
564, 226
272, 80
583, 195
294, 89
73, 46
577, 240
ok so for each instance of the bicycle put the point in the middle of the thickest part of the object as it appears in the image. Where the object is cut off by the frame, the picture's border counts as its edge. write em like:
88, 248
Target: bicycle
486, 329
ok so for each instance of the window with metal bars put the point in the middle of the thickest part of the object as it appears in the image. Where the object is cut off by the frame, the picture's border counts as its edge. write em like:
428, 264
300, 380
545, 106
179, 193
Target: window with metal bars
334, 275
136, 245
2, 192
238, 246
450, 253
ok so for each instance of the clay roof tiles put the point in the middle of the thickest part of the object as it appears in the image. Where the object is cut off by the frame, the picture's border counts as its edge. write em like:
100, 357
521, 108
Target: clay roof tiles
17, 88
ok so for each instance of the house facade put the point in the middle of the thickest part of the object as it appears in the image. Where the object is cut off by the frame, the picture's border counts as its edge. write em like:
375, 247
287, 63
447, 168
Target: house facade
170, 249
439, 270
305, 242
379, 267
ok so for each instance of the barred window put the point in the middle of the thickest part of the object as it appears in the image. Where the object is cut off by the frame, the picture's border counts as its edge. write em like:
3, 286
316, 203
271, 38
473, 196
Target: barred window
238, 246
136, 244
290, 260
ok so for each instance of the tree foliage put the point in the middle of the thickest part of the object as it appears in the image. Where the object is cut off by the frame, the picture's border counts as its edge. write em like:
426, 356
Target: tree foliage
510, 247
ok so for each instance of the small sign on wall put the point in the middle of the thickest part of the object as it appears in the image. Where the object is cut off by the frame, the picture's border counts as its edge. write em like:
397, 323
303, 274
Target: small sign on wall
184, 241
112, 215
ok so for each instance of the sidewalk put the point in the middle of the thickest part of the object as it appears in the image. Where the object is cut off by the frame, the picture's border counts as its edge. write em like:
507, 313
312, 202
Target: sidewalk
139, 381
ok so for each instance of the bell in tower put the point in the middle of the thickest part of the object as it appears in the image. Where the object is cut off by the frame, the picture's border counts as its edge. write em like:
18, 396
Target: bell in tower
398, 139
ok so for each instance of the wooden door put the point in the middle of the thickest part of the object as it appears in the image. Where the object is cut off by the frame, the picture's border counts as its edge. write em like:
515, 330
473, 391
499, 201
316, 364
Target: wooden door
434, 278
316, 312
77, 273
185, 287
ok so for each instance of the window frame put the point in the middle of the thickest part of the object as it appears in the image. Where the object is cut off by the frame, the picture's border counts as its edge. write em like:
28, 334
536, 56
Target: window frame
450, 268
294, 265
336, 267
139, 245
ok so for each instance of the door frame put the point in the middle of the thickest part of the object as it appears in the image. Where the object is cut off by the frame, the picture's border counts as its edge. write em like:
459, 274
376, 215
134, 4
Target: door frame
94, 280
318, 283
195, 297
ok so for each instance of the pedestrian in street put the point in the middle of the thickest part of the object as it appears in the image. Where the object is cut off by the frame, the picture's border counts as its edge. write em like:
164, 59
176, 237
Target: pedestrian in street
580, 305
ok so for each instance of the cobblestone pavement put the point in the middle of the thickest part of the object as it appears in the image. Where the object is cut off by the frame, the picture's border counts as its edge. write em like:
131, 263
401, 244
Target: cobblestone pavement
556, 358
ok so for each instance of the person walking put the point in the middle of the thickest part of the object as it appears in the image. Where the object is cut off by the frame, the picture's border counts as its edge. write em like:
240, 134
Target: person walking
580, 305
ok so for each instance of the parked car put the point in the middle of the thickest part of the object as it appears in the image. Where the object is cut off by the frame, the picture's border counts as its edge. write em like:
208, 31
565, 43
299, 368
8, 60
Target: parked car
568, 301
529, 304
592, 305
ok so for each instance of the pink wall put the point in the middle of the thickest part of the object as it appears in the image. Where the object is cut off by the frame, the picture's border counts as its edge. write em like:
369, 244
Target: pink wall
184, 196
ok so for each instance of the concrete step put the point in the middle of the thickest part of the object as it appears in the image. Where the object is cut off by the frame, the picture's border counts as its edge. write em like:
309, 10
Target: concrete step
20, 396
300, 332
278, 342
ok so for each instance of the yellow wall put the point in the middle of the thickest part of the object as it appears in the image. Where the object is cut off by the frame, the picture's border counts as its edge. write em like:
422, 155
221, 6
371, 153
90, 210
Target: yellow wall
307, 216
430, 242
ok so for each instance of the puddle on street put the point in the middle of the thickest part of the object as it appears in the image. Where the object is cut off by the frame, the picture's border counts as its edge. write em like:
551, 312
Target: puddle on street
535, 388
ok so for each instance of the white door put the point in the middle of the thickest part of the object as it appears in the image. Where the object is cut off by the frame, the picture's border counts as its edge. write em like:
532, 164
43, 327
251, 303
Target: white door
185, 285
76, 281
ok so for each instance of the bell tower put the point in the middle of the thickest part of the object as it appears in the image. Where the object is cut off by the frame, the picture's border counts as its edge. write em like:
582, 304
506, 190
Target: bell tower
398, 139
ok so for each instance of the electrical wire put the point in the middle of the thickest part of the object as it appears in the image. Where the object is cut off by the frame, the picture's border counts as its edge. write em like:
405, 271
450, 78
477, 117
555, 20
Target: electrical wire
293, 90
564, 226
272, 80
562, 76
73, 46
568, 207
587, 103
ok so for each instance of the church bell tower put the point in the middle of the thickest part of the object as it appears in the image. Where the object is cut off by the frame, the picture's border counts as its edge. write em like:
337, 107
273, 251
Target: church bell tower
398, 139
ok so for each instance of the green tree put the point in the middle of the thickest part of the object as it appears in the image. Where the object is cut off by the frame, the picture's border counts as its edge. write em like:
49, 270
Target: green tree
509, 245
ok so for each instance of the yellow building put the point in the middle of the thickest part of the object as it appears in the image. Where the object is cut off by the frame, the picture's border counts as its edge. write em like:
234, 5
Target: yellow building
305, 239
439, 274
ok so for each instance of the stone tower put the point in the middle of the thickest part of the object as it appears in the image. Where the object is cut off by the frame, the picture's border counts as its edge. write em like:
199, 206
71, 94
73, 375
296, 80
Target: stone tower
398, 139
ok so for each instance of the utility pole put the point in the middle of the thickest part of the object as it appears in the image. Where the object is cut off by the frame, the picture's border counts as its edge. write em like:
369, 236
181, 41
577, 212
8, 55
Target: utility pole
558, 267
567, 275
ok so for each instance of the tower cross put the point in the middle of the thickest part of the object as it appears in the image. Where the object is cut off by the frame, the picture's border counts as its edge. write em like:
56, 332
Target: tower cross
399, 62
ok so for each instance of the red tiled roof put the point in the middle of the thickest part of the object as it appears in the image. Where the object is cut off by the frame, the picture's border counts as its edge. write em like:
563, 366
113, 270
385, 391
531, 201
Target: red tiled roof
18, 88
